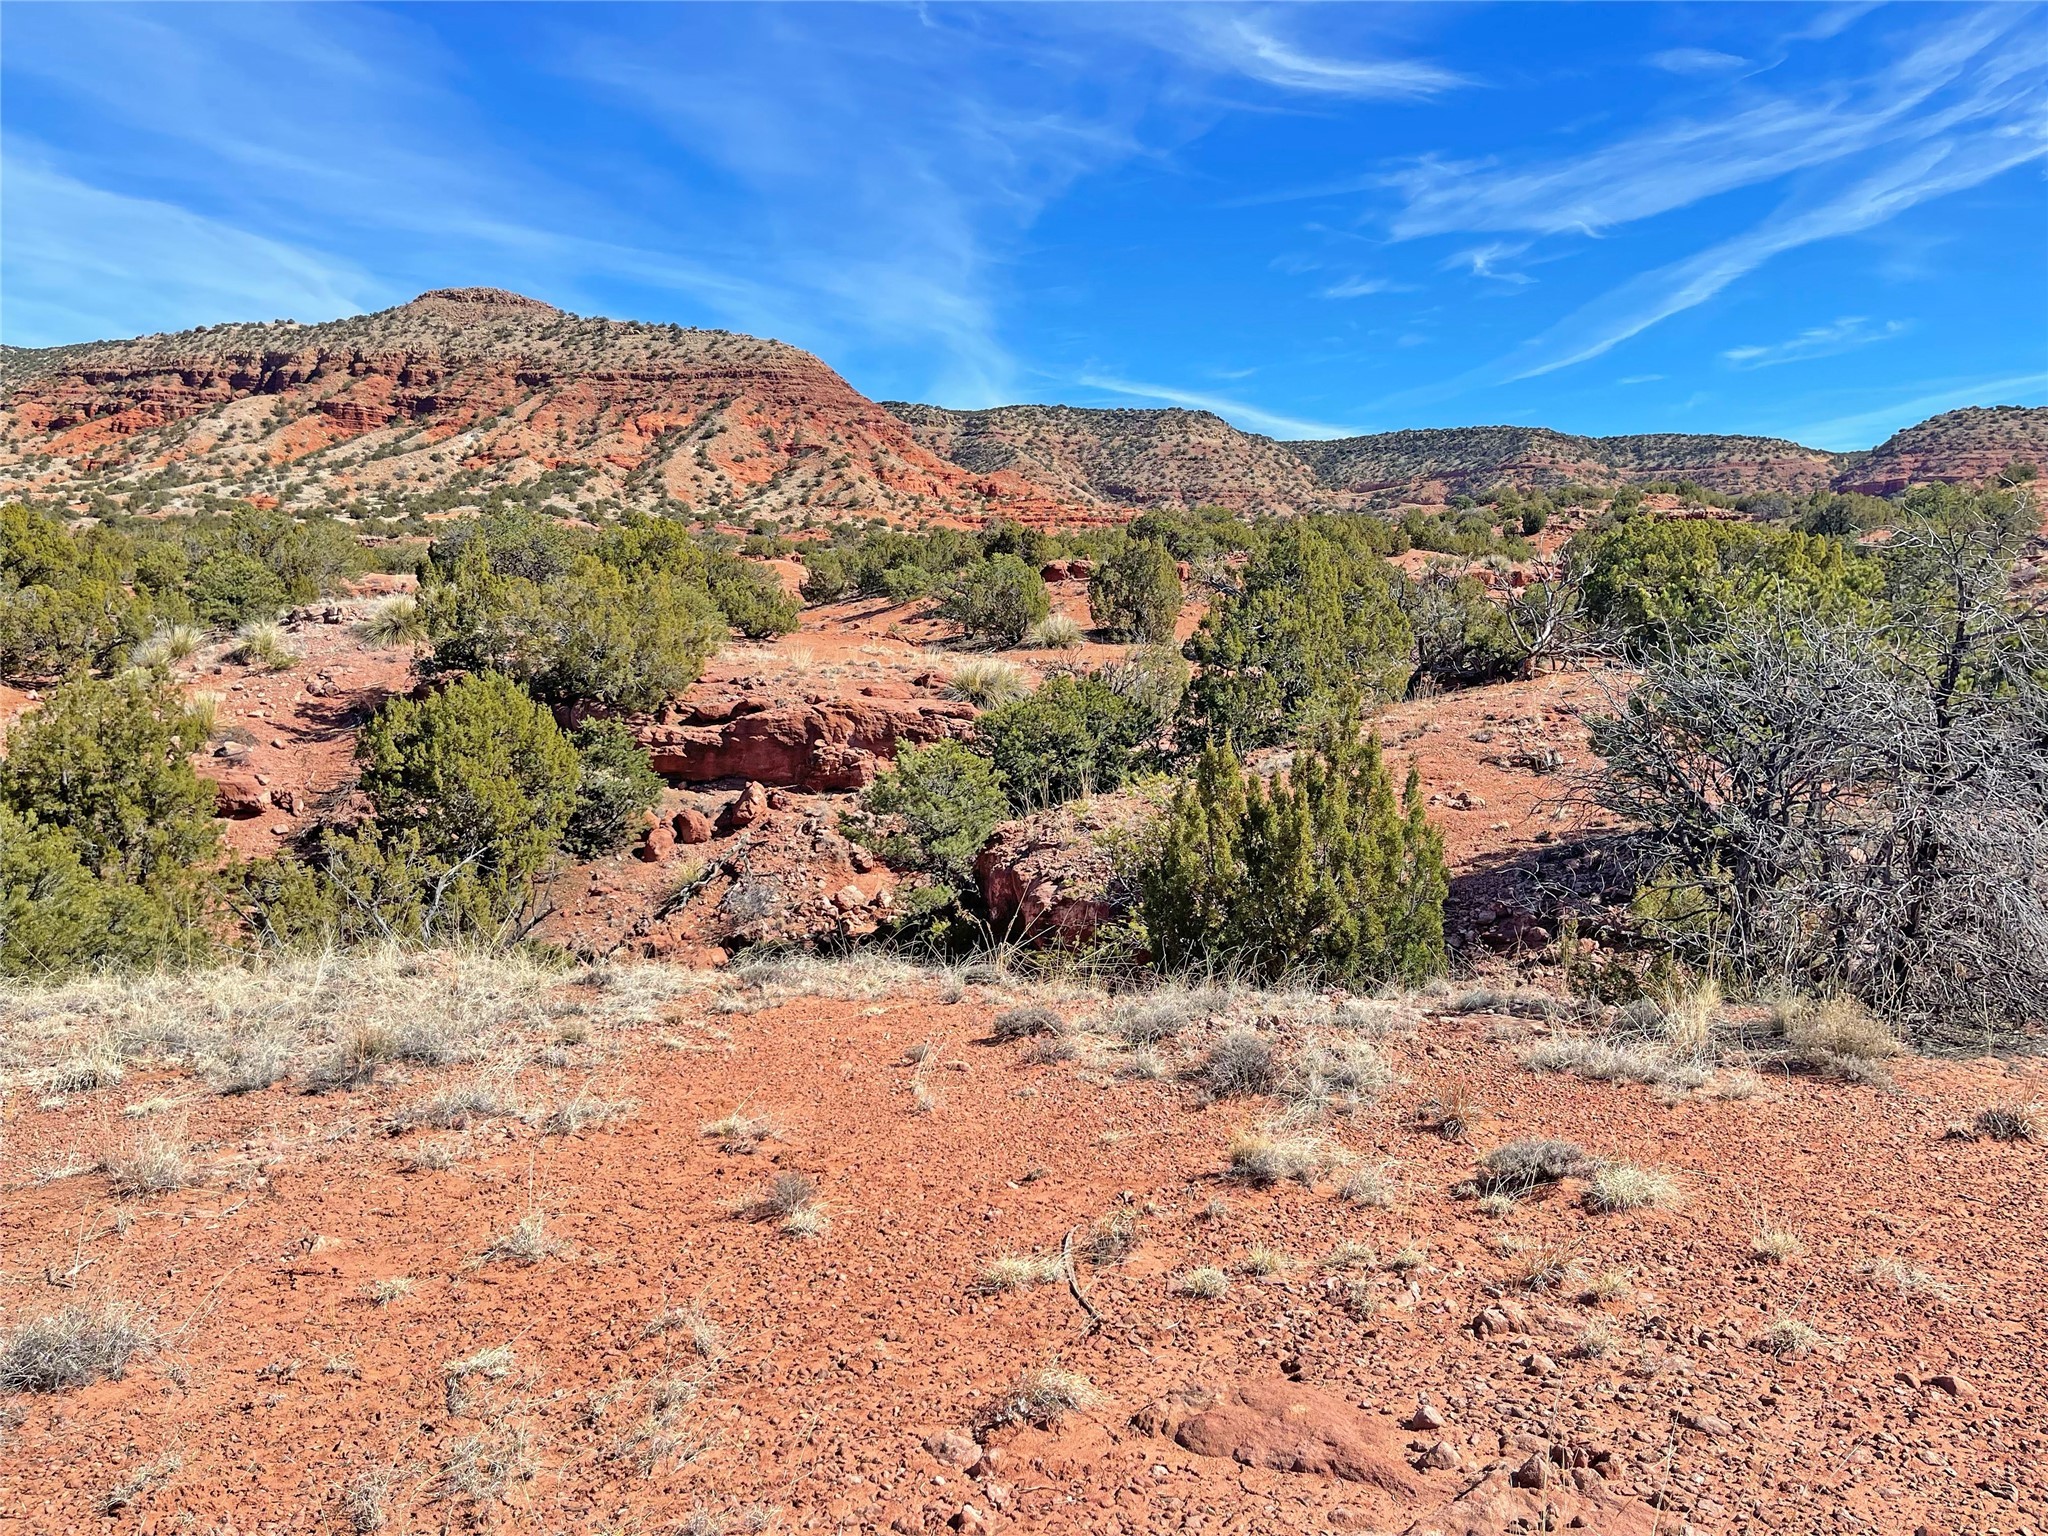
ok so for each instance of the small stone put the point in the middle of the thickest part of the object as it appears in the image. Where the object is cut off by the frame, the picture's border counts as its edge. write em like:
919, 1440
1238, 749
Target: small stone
1443, 1456
1539, 1364
953, 1448
1426, 1416
1706, 1424
849, 898
1954, 1385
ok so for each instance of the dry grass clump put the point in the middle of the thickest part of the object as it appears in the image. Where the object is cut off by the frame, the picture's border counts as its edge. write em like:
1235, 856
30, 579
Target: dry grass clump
389, 1289
584, 1109
1350, 1070
1028, 1023
262, 643
97, 1066
252, 1062
1205, 1284
458, 1106
1263, 1159
1599, 1060
1828, 1031
156, 1162
1045, 1395
1897, 1276
1523, 1165
1452, 1112
1352, 1254
860, 976
1056, 633
1545, 1266
1372, 1184
1625, 1187
1775, 1245
1788, 1338
1608, 1285
1161, 1015
1240, 1065
72, 1347
526, 1241
740, 1132
707, 1339
1110, 1238
393, 622
1261, 1260
484, 1465
1595, 1341
2012, 1122
1018, 1272
987, 682
792, 1204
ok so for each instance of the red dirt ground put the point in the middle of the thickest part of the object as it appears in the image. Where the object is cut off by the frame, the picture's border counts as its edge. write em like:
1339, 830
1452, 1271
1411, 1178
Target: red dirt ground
281, 1384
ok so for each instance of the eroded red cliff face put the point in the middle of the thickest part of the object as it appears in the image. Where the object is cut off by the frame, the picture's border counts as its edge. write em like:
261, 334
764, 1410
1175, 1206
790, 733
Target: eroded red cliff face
476, 386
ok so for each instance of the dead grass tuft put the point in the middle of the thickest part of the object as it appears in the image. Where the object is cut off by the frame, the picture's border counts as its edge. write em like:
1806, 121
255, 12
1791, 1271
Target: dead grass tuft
1520, 1166
1017, 1272
1240, 1065
1026, 1024
2012, 1122
1045, 1395
73, 1347
1264, 1159
1625, 1187
156, 1162
1205, 1284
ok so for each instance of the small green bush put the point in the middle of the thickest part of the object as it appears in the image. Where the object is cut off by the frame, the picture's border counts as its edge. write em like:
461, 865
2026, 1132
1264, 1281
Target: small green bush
109, 762
616, 791
1135, 592
480, 772
948, 798
1314, 628
1461, 635
1325, 870
1073, 737
231, 588
751, 596
998, 601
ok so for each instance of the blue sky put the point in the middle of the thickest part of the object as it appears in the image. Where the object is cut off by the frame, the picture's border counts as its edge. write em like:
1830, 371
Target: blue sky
1821, 222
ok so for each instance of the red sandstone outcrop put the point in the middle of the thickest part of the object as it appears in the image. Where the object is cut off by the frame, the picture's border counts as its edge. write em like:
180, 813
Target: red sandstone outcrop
811, 744
1052, 878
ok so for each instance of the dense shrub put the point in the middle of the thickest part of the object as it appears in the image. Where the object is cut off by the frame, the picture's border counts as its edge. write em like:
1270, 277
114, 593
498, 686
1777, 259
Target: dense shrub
1325, 871
594, 635
1135, 592
1074, 736
1857, 806
1660, 579
109, 762
480, 773
62, 603
1314, 627
947, 800
1461, 634
525, 545
751, 596
231, 588
105, 831
997, 601
615, 793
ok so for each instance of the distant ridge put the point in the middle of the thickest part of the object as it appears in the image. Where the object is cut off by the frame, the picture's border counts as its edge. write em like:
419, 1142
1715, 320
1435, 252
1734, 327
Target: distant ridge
468, 392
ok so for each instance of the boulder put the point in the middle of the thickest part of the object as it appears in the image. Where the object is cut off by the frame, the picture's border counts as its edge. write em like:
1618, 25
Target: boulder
1285, 1426
239, 796
692, 827
1048, 879
659, 843
747, 807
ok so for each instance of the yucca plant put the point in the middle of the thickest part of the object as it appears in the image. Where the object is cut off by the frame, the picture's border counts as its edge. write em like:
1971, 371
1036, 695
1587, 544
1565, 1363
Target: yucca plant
262, 643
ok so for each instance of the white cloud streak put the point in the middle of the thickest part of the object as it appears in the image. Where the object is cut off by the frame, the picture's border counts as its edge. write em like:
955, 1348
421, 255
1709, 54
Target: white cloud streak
1843, 335
1236, 412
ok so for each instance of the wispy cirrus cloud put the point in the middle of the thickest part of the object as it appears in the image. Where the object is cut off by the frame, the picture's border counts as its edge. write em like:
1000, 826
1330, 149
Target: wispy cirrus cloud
1859, 428
1364, 287
148, 265
1236, 412
1992, 62
1695, 61
1843, 335
1249, 42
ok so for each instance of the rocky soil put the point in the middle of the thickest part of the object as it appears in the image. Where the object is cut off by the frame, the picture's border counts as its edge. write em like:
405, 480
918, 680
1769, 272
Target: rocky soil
539, 1288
